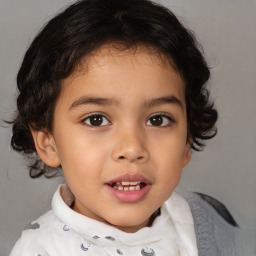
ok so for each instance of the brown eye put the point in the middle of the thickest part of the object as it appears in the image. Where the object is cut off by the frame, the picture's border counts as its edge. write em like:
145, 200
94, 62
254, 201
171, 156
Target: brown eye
156, 120
159, 120
96, 120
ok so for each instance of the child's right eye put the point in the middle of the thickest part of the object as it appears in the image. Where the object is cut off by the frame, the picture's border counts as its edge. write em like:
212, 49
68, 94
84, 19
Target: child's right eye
96, 120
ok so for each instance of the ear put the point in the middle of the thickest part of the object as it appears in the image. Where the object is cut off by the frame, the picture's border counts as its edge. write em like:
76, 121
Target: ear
187, 154
46, 147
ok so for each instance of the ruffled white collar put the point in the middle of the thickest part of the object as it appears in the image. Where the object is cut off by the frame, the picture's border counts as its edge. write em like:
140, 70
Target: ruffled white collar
172, 233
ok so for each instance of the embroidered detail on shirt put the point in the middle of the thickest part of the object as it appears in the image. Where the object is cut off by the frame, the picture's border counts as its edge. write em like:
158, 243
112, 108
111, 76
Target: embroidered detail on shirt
119, 251
85, 246
66, 228
32, 225
96, 237
147, 252
110, 238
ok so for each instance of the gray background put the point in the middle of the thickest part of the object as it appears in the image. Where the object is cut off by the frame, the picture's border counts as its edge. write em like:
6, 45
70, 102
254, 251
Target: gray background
224, 170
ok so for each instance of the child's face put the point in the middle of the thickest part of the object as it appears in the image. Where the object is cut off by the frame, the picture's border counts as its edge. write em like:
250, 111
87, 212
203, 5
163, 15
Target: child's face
122, 118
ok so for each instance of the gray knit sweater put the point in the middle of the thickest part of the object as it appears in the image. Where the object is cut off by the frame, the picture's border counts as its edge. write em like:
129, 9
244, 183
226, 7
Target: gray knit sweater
216, 231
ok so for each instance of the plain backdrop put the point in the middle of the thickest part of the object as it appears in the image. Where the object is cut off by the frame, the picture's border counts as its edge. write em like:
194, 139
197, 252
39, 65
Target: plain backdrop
224, 170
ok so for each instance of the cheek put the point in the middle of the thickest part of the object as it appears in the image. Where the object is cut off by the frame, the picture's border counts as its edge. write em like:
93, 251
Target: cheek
80, 157
169, 159
171, 152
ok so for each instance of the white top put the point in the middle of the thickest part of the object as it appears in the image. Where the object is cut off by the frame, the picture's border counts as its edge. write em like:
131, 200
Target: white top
63, 231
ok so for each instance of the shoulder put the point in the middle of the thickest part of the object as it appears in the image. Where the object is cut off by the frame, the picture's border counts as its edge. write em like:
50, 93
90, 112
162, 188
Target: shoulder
213, 225
217, 232
35, 236
48, 236
219, 207
205, 205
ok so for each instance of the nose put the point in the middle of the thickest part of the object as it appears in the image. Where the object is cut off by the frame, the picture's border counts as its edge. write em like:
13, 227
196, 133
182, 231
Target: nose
130, 145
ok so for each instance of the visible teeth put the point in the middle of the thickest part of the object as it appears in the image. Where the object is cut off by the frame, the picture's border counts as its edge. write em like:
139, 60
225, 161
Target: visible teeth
128, 186
127, 183
134, 183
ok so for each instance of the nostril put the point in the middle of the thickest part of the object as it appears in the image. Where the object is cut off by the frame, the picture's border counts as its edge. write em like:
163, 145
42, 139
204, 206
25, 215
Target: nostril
123, 157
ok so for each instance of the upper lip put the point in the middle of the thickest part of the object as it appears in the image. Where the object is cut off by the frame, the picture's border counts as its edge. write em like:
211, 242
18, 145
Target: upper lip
130, 178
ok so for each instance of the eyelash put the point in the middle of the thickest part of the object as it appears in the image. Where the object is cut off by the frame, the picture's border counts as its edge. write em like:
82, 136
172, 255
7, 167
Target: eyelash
95, 115
103, 117
170, 120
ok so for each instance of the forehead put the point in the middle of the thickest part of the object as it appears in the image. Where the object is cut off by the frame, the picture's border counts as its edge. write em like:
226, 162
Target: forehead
117, 53
113, 67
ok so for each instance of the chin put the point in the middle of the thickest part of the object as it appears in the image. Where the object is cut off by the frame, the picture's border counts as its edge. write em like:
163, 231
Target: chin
129, 223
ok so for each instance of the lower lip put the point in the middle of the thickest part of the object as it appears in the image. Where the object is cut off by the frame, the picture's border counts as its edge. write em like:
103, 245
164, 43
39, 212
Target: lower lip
129, 196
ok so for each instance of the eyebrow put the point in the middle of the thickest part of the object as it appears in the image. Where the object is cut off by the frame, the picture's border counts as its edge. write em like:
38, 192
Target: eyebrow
162, 100
93, 101
84, 100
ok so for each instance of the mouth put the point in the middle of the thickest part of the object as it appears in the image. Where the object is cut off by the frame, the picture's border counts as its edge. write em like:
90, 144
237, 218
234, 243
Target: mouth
128, 185
129, 188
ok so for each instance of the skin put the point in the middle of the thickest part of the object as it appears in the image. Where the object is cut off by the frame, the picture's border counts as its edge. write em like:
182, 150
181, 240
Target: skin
127, 141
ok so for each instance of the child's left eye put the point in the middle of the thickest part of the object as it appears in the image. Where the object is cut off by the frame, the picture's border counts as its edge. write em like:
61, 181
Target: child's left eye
96, 120
159, 120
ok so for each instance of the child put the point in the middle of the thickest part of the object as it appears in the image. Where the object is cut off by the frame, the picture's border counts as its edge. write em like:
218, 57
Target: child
114, 93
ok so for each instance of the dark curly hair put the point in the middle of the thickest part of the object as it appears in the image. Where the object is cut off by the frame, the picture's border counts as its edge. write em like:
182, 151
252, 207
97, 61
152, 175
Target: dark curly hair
82, 28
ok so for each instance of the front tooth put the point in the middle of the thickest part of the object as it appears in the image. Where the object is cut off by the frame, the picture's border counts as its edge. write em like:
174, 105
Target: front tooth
126, 188
133, 183
132, 188
127, 183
